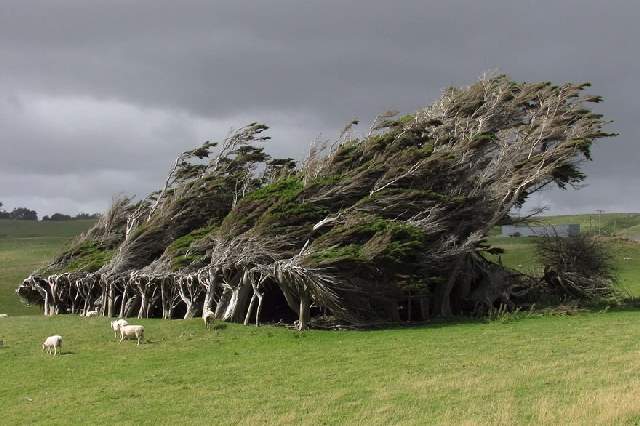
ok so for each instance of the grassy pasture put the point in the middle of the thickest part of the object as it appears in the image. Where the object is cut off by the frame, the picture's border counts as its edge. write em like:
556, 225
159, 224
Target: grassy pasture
24, 247
625, 225
582, 369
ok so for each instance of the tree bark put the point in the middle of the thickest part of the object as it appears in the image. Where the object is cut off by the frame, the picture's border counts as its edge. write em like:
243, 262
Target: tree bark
231, 305
124, 301
443, 298
110, 300
251, 305
210, 284
424, 309
165, 300
143, 304
189, 313
305, 313
223, 303
105, 301
290, 298
259, 310
391, 310
46, 303
131, 305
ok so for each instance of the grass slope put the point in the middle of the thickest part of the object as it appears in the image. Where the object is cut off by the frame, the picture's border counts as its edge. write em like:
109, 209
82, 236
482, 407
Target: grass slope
625, 225
520, 252
555, 370
26, 246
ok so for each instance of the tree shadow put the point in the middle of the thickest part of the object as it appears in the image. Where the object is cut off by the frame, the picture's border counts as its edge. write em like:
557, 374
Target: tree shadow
431, 324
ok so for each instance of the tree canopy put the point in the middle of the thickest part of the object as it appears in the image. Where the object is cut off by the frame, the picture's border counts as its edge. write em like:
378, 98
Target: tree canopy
380, 227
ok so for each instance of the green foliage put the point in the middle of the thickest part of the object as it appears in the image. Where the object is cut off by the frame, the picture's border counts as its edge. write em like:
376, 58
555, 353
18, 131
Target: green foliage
184, 242
285, 189
291, 213
395, 242
485, 138
88, 257
328, 180
387, 242
180, 250
182, 261
333, 254
406, 119
378, 143
273, 204
138, 231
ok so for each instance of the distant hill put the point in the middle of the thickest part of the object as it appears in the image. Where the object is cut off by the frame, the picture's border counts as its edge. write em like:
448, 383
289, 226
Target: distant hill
625, 225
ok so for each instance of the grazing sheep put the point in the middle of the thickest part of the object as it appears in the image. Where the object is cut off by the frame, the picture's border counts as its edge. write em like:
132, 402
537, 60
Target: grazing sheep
3, 315
208, 318
115, 325
136, 331
91, 314
52, 342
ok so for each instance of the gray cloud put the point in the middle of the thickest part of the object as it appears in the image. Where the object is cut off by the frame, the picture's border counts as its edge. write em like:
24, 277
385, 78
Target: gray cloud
106, 93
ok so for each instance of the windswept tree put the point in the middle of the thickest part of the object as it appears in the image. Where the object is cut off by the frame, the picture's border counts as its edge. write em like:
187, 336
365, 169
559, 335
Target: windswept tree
388, 226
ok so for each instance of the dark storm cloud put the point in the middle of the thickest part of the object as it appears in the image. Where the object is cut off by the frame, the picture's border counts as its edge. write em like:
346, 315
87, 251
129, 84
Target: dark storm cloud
107, 92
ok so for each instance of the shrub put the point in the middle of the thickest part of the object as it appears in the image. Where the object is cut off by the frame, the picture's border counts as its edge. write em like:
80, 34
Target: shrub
577, 267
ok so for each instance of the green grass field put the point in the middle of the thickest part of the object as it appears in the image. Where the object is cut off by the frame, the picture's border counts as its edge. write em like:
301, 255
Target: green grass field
625, 225
551, 370
25, 246
522, 369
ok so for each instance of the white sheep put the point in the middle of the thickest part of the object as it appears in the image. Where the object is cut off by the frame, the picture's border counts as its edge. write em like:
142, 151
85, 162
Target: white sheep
208, 318
52, 342
136, 331
91, 314
3, 315
115, 325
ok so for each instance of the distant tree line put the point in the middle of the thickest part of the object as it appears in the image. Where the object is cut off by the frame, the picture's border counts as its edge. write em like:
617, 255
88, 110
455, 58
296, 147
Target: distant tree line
63, 217
19, 213
23, 213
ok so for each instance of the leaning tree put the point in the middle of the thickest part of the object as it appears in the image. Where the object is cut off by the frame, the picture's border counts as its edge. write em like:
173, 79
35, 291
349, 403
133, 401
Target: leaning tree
382, 227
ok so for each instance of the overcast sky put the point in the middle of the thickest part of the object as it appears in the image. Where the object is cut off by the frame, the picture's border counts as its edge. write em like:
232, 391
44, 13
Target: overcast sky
97, 97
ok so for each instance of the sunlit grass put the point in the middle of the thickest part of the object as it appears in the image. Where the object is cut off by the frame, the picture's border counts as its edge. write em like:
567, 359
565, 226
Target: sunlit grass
575, 369
26, 246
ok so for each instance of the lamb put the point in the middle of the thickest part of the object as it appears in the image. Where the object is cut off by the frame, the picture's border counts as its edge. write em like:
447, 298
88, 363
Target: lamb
130, 331
52, 342
91, 314
208, 318
115, 325
3, 315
